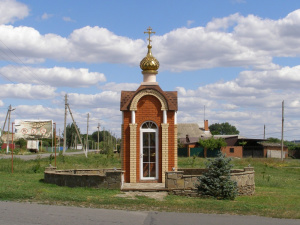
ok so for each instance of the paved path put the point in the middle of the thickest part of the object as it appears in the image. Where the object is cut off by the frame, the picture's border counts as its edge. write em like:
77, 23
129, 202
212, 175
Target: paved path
29, 213
43, 155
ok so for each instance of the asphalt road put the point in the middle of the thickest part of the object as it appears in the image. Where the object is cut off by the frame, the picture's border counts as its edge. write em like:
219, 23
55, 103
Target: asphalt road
12, 213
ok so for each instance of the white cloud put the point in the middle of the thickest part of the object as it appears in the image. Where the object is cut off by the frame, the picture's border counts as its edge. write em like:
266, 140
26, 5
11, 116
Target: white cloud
189, 23
112, 86
229, 106
248, 102
274, 37
11, 10
88, 44
96, 44
103, 99
39, 112
196, 48
56, 76
222, 24
233, 41
286, 78
26, 42
26, 91
110, 118
68, 19
46, 16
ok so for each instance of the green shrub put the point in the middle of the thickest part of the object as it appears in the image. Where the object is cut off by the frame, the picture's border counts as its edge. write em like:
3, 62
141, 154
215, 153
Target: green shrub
216, 181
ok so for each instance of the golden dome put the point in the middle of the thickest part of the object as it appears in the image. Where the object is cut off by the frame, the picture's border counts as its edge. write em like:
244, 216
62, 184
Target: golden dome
149, 63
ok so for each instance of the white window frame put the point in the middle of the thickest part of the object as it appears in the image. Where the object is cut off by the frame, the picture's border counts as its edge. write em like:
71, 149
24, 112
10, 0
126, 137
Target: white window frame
156, 131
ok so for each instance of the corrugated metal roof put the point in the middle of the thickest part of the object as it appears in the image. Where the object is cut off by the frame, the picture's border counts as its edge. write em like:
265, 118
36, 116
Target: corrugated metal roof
230, 136
269, 144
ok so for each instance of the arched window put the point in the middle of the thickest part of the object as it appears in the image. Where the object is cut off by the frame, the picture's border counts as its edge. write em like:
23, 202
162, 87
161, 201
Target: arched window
149, 151
149, 125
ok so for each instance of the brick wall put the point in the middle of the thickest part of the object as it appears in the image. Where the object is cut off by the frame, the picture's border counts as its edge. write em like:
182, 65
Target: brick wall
126, 146
233, 151
172, 144
148, 109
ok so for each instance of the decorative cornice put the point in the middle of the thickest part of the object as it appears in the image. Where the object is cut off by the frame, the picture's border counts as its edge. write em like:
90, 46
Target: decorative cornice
159, 96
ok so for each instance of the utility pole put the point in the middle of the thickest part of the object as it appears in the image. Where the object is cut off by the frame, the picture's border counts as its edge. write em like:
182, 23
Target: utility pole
59, 140
264, 131
87, 134
65, 124
282, 130
104, 140
55, 142
98, 135
9, 110
5, 119
74, 123
75, 142
52, 138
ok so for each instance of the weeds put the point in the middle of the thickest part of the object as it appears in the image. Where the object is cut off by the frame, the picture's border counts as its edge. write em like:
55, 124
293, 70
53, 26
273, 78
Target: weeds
37, 166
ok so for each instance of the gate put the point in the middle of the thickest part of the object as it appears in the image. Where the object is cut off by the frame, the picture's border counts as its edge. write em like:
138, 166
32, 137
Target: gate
199, 152
182, 152
212, 153
253, 151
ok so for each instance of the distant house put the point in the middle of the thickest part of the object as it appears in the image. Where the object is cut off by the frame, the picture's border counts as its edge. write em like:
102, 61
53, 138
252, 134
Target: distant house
4, 141
189, 134
273, 150
237, 146
242, 147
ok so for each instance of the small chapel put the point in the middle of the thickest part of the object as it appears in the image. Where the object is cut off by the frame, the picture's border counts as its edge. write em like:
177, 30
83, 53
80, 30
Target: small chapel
149, 127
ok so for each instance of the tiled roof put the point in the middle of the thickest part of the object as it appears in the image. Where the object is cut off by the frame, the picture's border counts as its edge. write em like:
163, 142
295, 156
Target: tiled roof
127, 96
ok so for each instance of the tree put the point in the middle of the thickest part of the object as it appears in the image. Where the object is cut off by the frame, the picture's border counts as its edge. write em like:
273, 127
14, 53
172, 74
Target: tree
216, 180
107, 141
273, 140
222, 129
22, 143
70, 134
212, 143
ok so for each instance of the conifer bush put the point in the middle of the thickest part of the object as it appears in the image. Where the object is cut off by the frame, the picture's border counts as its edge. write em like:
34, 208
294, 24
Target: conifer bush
216, 181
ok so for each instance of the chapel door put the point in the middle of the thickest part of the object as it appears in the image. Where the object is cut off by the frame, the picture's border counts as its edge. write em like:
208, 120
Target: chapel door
149, 151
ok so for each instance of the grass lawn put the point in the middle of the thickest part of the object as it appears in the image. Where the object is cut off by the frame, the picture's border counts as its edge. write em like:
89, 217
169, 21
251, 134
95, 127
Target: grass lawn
277, 188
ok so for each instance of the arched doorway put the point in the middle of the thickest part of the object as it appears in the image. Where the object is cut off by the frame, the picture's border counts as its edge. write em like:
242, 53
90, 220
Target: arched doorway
149, 151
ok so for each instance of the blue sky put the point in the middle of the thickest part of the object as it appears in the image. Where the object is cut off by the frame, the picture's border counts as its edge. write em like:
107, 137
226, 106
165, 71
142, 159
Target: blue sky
239, 58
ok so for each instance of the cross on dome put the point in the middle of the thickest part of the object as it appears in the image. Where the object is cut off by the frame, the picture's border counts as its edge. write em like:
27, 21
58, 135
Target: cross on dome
149, 31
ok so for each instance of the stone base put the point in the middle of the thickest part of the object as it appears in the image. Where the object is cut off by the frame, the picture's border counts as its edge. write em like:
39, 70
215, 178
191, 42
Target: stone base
97, 178
178, 183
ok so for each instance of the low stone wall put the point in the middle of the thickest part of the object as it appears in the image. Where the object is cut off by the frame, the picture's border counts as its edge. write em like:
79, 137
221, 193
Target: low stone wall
184, 181
96, 178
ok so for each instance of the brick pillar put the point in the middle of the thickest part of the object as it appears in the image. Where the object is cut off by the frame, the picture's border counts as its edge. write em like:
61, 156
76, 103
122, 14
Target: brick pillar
122, 147
133, 152
165, 148
175, 148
